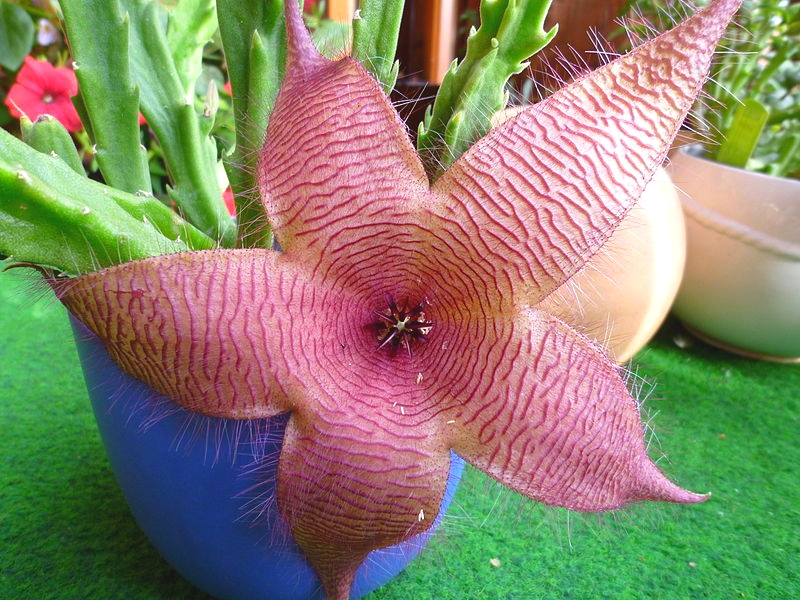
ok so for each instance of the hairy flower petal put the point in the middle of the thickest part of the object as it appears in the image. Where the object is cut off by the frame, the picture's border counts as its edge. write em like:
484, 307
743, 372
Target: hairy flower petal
338, 166
364, 463
350, 482
541, 193
186, 325
555, 421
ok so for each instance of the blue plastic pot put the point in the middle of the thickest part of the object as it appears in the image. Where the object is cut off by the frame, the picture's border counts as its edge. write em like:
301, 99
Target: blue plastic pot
188, 492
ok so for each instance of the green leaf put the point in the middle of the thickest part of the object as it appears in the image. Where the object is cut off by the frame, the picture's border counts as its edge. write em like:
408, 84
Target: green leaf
16, 35
742, 136
98, 39
332, 38
54, 217
788, 153
511, 31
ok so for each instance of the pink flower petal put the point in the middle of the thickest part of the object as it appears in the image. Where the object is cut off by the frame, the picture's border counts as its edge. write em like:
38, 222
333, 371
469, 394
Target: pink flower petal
230, 203
540, 194
23, 101
352, 482
350, 452
550, 416
339, 166
34, 73
184, 309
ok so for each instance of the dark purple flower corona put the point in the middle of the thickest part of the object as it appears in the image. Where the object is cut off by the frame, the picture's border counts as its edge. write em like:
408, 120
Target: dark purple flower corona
402, 326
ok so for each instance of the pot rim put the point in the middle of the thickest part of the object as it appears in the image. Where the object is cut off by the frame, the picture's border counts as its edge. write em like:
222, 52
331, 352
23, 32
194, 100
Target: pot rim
731, 228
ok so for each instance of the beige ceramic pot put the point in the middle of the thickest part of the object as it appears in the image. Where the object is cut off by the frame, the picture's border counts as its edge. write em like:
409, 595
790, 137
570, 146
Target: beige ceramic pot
626, 290
741, 289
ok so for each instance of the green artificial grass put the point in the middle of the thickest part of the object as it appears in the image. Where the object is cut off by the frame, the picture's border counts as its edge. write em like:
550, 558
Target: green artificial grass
725, 424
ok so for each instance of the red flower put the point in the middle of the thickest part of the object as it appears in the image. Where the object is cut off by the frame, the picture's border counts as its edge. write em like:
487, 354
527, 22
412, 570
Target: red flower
227, 196
42, 89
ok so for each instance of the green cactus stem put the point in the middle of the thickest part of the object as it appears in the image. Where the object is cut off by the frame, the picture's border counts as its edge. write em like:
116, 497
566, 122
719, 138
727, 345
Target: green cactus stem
375, 35
52, 216
98, 35
511, 31
254, 41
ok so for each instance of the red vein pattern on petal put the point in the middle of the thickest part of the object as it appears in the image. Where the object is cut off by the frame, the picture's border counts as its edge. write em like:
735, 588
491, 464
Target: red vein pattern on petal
242, 333
349, 485
541, 192
203, 328
556, 422
337, 163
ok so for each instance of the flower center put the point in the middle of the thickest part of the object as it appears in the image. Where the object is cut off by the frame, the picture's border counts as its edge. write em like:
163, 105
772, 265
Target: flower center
47, 98
402, 326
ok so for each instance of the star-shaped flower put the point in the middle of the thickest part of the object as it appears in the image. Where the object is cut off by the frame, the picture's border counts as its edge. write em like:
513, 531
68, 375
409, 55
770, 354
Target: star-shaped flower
399, 321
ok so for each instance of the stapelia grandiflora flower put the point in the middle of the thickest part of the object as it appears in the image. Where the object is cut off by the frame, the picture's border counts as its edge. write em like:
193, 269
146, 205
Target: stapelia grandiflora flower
42, 89
399, 320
